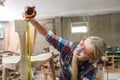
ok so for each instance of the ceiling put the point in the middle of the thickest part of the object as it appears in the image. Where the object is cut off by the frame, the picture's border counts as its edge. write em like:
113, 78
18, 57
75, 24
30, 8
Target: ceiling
14, 9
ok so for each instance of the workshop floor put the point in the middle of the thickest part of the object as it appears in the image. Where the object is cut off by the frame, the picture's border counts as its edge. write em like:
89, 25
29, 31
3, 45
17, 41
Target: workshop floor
111, 76
40, 76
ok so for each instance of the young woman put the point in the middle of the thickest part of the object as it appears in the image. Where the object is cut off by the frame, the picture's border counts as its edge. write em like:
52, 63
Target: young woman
78, 61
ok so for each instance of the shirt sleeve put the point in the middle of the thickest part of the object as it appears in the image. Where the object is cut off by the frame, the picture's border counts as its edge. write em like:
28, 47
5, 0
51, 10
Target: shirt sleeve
63, 46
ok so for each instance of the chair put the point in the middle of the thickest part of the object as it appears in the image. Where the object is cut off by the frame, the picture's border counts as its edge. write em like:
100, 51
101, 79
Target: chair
21, 61
12, 63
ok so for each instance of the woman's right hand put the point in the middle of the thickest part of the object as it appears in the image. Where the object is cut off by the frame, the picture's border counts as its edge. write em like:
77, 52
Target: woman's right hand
29, 12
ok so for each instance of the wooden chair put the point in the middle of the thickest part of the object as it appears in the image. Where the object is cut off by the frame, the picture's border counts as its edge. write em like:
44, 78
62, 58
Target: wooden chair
4, 71
12, 63
21, 61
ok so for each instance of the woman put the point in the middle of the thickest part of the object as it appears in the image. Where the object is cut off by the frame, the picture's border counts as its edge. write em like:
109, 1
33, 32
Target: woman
78, 61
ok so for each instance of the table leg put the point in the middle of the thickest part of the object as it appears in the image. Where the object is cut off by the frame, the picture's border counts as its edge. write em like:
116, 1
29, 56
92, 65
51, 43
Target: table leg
45, 76
52, 69
4, 73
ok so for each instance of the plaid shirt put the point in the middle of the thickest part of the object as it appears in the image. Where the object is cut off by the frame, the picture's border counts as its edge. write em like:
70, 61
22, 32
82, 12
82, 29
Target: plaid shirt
86, 71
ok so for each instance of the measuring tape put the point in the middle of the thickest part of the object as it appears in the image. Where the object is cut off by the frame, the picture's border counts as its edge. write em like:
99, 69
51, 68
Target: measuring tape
28, 49
29, 13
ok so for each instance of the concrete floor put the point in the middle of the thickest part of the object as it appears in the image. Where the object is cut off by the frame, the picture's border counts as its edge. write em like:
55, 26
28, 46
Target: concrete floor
40, 76
111, 76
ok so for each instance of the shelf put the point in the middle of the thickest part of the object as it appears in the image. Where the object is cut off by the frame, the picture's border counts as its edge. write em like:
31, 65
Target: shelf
109, 67
110, 56
117, 56
113, 62
116, 60
109, 62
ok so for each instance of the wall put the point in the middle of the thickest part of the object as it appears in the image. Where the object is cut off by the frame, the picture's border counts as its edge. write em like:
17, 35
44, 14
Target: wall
2, 40
40, 41
106, 26
66, 28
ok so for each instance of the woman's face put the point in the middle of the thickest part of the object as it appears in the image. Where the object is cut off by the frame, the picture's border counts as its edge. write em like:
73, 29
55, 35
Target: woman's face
80, 52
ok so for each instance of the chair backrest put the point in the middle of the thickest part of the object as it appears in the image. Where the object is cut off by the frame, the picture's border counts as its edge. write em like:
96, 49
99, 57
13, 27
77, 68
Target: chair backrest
20, 27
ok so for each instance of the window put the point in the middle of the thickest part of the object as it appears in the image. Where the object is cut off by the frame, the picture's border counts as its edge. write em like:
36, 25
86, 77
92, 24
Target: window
1, 31
79, 27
